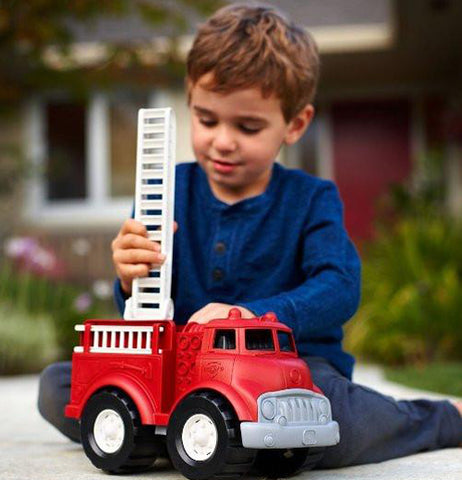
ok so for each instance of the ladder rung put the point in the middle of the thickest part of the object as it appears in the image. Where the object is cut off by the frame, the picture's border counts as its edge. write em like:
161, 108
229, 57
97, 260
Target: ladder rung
149, 282
155, 236
152, 156
153, 143
150, 136
147, 313
150, 175
151, 220
148, 297
153, 114
153, 128
153, 160
151, 204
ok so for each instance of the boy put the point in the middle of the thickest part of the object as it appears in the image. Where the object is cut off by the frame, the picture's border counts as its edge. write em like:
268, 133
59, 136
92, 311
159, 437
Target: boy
255, 235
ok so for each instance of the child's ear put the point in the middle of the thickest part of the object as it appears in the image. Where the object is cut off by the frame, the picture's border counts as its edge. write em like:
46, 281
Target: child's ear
298, 125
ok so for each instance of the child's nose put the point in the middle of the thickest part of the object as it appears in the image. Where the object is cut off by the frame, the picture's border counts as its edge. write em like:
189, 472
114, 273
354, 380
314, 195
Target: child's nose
224, 139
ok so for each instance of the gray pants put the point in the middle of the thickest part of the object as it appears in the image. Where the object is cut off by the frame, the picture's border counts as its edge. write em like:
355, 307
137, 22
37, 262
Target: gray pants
373, 427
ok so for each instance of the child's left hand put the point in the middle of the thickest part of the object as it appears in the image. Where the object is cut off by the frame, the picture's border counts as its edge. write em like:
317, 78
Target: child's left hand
217, 310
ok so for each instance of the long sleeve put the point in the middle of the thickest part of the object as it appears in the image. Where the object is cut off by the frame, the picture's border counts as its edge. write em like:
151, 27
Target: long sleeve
119, 296
329, 294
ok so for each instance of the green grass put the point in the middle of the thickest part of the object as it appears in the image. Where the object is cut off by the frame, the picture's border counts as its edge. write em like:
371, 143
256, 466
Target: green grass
437, 377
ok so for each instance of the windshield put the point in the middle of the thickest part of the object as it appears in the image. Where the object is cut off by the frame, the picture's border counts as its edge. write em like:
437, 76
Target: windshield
259, 339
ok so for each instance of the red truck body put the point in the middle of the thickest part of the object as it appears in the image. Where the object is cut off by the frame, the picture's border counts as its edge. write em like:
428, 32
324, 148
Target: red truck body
181, 360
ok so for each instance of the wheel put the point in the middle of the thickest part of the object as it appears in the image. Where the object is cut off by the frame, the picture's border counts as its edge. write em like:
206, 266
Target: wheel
285, 462
113, 437
203, 439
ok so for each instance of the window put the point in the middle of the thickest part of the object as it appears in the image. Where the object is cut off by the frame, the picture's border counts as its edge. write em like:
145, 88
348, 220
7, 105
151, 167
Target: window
259, 340
286, 342
225, 340
65, 164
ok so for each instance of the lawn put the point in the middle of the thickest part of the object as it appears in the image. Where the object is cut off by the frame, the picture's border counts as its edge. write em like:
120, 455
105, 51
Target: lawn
437, 377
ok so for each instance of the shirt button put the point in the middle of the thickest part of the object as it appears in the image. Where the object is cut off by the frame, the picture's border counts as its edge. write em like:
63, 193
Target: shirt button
220, 247
218, 274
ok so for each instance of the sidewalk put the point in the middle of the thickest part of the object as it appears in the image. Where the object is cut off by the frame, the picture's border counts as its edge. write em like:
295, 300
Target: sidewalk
30, 449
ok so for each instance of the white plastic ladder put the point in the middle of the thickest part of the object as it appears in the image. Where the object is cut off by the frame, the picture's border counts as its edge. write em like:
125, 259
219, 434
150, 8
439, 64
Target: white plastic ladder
154, 207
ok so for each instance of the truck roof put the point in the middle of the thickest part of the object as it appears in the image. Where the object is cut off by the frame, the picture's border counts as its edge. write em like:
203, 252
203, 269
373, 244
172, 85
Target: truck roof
235, 320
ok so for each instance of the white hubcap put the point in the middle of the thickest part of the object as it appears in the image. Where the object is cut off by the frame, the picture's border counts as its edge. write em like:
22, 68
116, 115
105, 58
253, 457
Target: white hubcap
199, 437
109, 431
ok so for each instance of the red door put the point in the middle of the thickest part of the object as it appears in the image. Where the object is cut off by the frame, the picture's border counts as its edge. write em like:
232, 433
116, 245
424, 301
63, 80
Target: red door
372, 150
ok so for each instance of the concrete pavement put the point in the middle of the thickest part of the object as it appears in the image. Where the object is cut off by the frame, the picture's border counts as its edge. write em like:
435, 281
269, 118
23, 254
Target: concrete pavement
31, 449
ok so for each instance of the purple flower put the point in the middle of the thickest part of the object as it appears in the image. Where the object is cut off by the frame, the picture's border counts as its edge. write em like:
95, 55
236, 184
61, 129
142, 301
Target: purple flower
30, 256
83, 302
18, 248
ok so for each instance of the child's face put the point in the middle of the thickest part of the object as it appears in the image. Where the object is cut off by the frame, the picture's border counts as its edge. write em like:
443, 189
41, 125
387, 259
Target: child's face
236, 138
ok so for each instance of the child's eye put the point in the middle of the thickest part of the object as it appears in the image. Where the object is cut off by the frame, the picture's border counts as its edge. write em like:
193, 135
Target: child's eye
249, 130
207, 122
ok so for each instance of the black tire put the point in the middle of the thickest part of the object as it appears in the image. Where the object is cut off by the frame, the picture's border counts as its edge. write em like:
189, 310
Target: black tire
224, 457
285, 462
134, 450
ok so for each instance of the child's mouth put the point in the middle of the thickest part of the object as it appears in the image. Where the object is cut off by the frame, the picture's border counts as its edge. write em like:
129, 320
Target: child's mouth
224, 167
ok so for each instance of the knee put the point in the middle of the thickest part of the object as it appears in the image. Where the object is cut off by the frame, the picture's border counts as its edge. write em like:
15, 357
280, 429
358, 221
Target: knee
50, 388
339, 391
46, 387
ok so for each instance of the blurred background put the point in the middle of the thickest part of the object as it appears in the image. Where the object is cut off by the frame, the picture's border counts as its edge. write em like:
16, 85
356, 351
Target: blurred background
388, 131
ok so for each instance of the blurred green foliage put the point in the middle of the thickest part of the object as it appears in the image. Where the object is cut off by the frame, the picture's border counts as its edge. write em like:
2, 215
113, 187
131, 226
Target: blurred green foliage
412, 285
28, 29
37, 318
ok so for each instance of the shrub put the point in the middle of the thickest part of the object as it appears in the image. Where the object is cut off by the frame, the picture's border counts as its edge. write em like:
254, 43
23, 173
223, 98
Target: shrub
38, 308
412, 293
29, 341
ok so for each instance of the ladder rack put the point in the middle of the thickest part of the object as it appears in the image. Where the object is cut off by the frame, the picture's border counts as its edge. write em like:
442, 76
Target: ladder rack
154, 207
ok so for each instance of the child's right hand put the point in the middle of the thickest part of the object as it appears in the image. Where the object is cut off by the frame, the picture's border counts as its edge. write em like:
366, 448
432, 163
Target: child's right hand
133, 254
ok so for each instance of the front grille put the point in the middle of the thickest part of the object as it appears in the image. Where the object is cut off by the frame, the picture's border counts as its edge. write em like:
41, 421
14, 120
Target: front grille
298, 407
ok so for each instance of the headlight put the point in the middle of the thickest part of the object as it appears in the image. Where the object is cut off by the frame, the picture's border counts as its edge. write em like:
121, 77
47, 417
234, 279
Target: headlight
323, 407
268, 409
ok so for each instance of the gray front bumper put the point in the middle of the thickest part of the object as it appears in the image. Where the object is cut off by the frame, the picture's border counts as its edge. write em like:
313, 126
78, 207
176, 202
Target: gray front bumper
271, 435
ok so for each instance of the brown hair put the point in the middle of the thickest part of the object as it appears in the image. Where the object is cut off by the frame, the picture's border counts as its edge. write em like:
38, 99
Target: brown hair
248, 46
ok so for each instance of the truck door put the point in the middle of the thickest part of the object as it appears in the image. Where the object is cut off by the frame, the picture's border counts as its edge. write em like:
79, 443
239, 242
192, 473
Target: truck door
218, 363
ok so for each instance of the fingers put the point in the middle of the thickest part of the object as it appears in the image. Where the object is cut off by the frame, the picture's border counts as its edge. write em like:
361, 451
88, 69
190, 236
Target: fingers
133, 241
133, 254
210, 312
128, 271
213, 311
133, 226
138, 255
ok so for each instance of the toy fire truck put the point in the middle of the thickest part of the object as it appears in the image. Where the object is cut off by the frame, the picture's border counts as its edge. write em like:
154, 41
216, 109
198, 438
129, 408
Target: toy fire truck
223, 397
